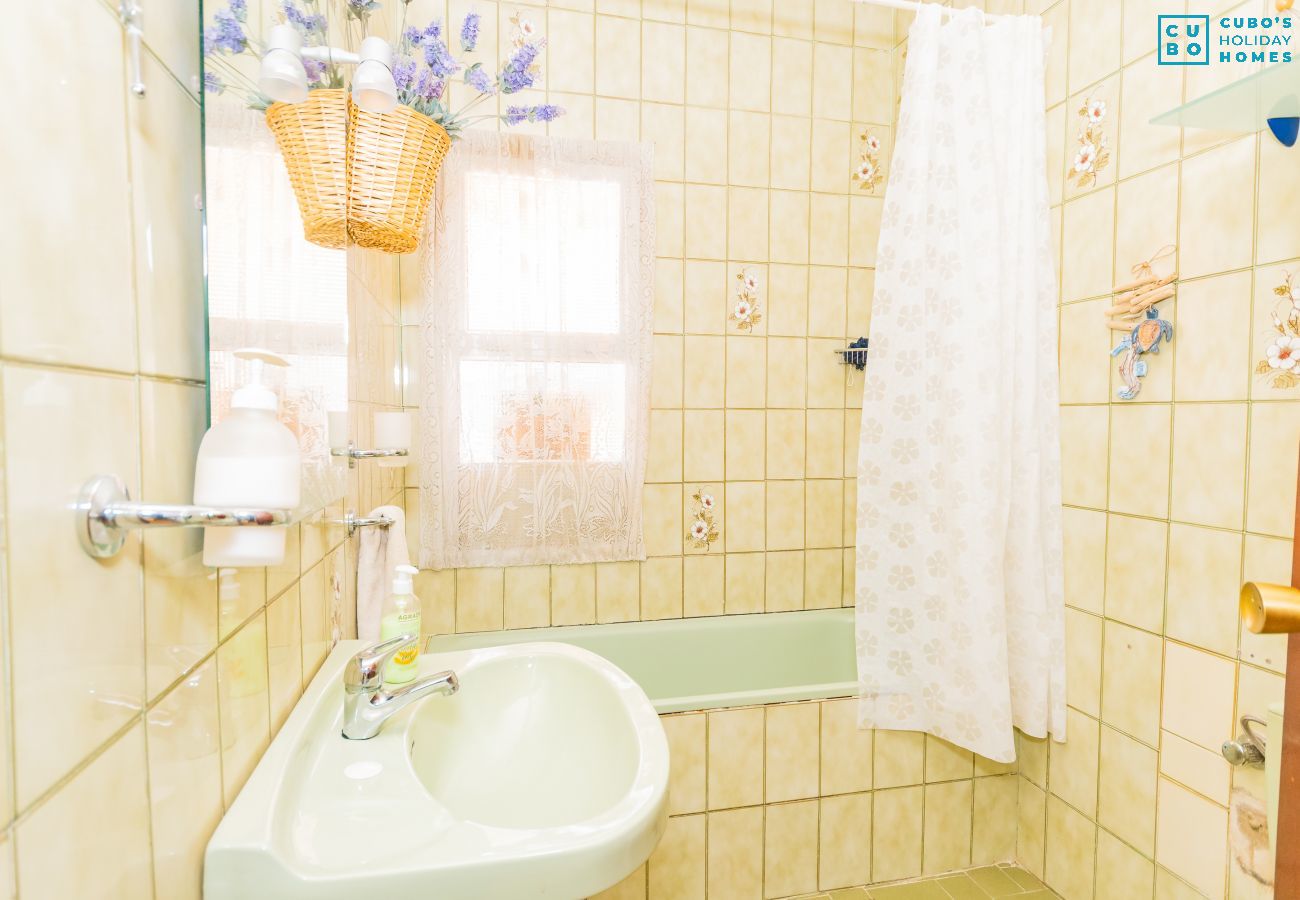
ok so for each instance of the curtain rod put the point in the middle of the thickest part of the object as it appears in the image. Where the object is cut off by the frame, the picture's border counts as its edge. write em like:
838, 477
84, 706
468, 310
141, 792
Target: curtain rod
913, 6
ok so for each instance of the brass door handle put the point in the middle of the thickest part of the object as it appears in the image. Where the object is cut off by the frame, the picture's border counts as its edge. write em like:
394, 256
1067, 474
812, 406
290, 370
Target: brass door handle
1270, 608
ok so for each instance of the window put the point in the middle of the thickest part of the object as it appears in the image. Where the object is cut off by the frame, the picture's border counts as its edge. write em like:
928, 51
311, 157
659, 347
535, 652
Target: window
537, 287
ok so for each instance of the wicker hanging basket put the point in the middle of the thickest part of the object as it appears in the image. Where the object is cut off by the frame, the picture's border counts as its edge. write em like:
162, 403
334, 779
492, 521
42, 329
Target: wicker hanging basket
313, 139
393, 163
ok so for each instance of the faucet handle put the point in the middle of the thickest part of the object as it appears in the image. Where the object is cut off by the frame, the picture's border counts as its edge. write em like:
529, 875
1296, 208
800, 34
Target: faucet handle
365, 671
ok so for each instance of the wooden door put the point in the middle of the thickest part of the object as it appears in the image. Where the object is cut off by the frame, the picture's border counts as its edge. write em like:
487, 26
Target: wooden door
1275, 609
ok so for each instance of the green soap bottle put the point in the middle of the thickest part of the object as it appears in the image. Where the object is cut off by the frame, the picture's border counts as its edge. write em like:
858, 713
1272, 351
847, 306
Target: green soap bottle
402, 617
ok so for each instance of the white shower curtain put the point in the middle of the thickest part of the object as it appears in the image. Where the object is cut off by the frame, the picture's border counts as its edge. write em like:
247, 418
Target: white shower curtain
959, 587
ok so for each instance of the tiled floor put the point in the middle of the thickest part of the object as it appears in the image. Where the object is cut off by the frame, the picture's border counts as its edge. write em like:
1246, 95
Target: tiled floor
977, 884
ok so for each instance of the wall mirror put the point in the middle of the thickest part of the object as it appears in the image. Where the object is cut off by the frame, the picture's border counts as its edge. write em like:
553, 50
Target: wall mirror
267, 286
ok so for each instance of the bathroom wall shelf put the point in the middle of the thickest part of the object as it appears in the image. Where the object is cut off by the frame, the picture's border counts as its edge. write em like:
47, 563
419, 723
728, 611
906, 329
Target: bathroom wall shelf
105, 511
353, 453
1270, 99
855, 354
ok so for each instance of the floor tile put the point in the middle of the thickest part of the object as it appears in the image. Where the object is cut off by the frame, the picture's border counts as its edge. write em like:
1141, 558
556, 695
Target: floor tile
996, 881
1025, 879
960, 887
916, 890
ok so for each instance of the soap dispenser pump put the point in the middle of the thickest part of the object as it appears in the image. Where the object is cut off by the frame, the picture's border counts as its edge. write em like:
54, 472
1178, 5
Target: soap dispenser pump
249, 459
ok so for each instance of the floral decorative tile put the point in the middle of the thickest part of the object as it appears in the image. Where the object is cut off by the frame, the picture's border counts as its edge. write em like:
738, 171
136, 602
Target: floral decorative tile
1093, 152
746, 312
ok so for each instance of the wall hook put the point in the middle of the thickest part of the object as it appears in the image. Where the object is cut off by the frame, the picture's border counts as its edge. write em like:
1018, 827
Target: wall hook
132, 17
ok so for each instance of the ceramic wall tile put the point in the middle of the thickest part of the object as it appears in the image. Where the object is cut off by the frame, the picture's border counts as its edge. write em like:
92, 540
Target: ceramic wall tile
245, 706
1215, 220
735, 769
49, 178
1073, 765
1130, 690
735, 854
994, 819
63, 848
790, 842
180, 594
791, 767
1135, 571
677, 866
57, 722
845, 749
1127, 789
185, 790
1204, 577
896, 834
1071, 839
844, 835
1189, 840
1198, 695
1209, 464
947, 827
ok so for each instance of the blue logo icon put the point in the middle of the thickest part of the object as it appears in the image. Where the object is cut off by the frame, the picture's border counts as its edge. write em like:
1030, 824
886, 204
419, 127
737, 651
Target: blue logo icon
1183, 40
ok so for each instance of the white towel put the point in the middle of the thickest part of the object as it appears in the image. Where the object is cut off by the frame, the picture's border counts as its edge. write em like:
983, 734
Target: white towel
380, 552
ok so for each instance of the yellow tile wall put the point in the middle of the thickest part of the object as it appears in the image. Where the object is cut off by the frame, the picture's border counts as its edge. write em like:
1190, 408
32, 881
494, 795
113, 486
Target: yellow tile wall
136, 694
1172, 498
790, 799
754, 108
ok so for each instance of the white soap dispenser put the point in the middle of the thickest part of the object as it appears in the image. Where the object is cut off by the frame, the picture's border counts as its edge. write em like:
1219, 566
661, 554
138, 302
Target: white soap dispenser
250, 460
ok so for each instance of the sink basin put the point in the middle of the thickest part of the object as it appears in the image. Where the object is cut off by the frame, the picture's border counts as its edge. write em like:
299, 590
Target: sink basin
545, 776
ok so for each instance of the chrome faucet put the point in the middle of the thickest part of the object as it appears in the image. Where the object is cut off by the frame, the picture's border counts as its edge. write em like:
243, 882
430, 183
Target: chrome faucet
366, 705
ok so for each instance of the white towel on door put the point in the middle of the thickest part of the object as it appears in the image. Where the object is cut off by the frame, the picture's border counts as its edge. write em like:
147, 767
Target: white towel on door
380, 552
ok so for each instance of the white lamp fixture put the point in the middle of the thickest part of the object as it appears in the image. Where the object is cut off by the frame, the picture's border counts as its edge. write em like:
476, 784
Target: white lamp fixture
283, 77
373, 88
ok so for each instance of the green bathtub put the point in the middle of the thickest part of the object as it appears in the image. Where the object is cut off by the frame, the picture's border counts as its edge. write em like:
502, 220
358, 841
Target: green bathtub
707, 663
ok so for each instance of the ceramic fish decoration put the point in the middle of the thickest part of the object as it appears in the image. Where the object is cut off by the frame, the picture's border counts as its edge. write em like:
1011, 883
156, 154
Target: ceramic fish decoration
1144, 338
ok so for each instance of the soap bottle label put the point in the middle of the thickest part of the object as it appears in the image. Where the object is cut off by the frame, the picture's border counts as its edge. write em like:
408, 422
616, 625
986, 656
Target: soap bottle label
405, 663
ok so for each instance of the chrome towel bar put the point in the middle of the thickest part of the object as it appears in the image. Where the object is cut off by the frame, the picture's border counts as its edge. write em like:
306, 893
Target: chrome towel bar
351, 521
105, 510
353, 453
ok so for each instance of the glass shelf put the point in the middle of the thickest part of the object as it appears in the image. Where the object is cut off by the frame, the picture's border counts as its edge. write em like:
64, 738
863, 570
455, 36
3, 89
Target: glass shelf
1244, 105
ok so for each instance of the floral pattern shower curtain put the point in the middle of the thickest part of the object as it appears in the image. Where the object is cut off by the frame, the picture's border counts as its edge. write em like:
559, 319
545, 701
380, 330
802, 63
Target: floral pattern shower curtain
960, 617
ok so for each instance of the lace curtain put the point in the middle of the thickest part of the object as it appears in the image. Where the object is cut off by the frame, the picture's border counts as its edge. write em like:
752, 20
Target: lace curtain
537, 284
960, 611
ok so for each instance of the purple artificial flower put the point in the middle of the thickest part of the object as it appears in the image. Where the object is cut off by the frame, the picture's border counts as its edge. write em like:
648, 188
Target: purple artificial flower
478, 78
429, 87
412, 36
403, 72
310, 24
360, 9
315, 69
439, 58
517, 74
212, 83
239, 8
226, 34
546, 112
469, 33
